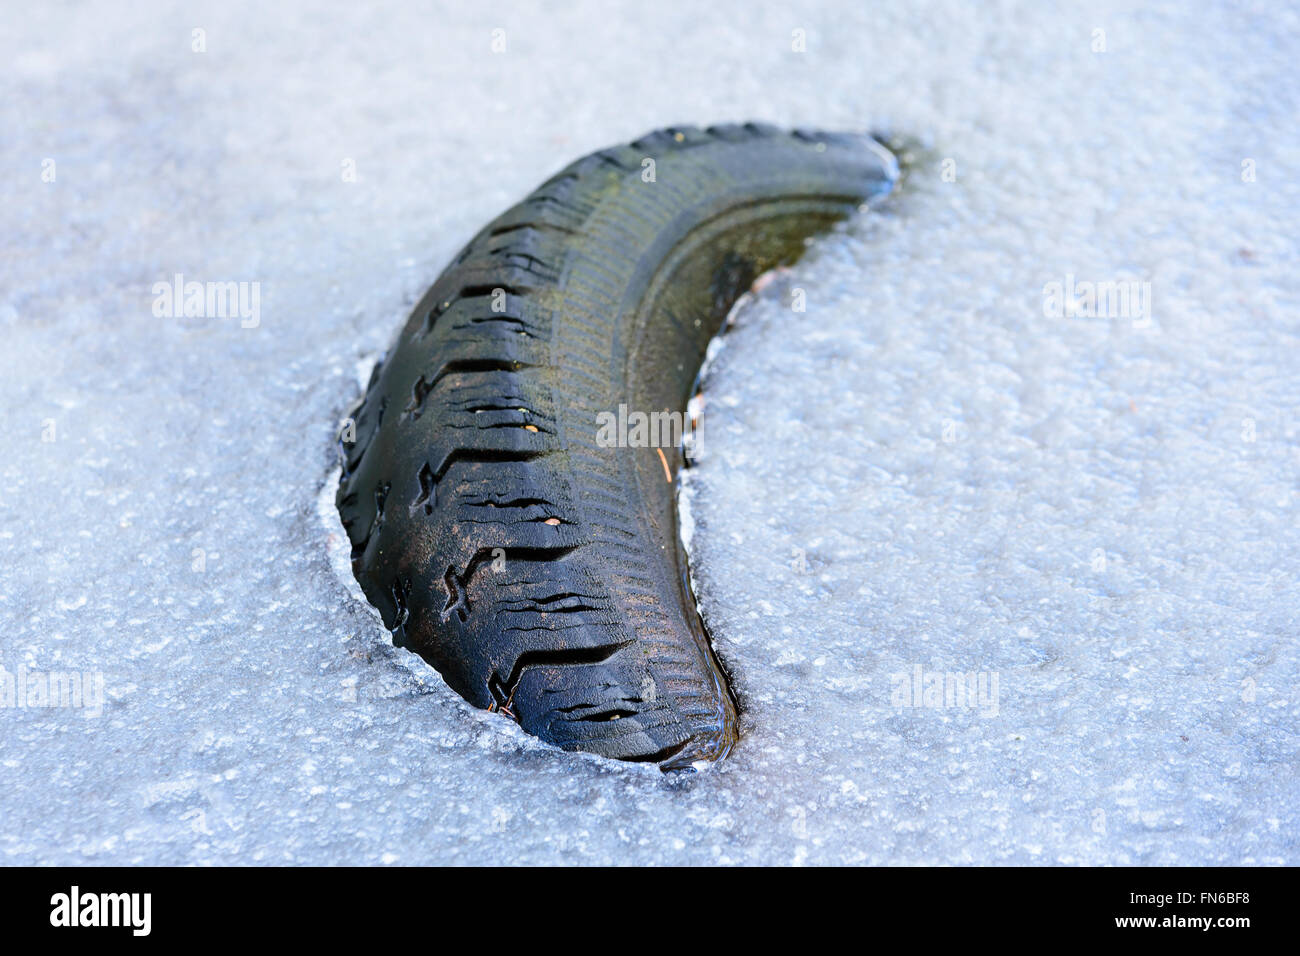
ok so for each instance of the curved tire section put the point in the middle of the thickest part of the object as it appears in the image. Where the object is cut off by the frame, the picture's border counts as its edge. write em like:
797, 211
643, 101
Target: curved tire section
538, 570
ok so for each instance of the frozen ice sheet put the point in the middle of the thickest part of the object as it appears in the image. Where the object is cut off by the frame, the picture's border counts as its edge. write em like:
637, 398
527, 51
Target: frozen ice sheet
922, 469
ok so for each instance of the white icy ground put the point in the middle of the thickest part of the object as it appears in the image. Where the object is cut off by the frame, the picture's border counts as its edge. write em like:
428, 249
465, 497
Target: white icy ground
1099, 531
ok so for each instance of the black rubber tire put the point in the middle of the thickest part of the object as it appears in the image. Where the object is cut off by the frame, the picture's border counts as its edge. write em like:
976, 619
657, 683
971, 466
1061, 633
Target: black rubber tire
538, 571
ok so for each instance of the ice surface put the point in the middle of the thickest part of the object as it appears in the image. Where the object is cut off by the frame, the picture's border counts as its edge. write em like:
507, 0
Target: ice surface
920, 470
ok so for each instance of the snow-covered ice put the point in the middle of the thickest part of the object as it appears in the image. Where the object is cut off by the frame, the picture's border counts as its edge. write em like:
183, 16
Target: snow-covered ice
1094, 516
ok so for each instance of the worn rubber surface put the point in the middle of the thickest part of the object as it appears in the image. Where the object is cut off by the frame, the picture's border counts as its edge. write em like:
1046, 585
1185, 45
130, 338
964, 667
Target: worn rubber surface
538, 571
